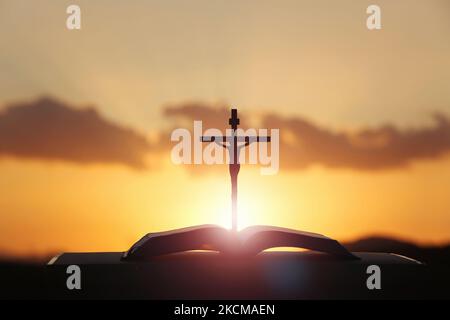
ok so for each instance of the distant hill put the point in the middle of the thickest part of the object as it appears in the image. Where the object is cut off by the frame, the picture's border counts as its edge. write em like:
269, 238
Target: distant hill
35, 260
426, 254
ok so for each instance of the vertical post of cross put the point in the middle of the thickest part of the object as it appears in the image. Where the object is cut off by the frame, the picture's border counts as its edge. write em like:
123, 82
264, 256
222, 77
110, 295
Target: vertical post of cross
234, 168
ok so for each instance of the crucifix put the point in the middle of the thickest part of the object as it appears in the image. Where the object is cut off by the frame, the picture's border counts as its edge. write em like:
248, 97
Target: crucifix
234, 144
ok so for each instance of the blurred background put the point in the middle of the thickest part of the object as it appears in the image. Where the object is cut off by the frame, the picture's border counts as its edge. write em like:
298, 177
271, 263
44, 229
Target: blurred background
86, 116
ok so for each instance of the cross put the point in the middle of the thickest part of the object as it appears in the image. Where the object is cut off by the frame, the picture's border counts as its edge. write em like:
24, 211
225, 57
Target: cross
234, 149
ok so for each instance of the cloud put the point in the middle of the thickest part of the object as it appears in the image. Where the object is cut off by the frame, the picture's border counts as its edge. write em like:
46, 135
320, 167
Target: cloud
49, 129
369, 149
52, 130
304, 143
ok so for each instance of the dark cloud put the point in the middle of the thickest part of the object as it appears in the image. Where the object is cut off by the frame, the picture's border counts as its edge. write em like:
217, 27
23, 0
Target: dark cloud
303, 143
50, 129
379, 148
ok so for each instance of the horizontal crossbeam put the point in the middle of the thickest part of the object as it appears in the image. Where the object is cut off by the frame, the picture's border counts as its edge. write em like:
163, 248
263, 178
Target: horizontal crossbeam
231, 138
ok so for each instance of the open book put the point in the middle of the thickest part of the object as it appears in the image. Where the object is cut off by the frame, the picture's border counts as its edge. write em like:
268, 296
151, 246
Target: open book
249, 241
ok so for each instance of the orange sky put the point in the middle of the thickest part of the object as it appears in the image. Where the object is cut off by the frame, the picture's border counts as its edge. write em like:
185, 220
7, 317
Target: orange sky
69, 207
312, 60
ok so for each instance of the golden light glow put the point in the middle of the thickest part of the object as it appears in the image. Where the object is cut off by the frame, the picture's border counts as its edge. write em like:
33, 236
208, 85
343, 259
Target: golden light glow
302, 59
69, 207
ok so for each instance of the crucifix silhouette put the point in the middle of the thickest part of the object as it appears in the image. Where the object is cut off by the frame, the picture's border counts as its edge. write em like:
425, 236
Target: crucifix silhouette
234, 144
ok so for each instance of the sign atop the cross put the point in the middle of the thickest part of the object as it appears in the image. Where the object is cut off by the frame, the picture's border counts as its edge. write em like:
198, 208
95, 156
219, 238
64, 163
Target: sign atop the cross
234, 143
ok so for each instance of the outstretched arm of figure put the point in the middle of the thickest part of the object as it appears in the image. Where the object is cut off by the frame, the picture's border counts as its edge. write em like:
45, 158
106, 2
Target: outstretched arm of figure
220, 140
250, 139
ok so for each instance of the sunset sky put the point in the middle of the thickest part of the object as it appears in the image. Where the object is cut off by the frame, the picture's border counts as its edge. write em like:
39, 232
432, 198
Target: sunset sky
86, 116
